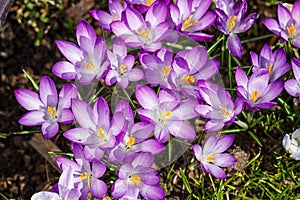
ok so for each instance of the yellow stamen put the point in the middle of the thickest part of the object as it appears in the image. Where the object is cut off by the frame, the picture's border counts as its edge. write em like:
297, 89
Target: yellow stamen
166, 70
52, 111
224, 111
210, 158
89, 65
167, 114
149, 2
144, 33
270, 68
86, 176
101, 133
254, 95
123, 69
291, 30
186, 24
136, 180
130, 141
189, 79
232, 22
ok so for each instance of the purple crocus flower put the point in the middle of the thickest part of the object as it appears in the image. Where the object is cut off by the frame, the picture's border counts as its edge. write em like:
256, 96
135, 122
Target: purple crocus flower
186, 70
47, 108
167, 112
158, 67
274, 63
288, 25
96, 132
257, 92
138, 179
85, 174
121, 70
85, 62
292, 86
211, 156
220, 109
231, 21
104, 18
191, 17
135, 137
139, 32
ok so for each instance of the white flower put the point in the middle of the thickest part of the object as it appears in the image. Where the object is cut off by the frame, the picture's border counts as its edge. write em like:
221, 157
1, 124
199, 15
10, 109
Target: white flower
292, 145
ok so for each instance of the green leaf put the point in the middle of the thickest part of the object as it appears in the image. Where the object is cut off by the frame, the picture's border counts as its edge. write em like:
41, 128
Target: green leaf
185, 181
35, 85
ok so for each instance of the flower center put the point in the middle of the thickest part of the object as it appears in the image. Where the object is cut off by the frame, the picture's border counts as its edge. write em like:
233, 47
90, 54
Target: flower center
101, 133
52, 112
149, 2
232, 22
187, 24
210, 158
136, 180
144, 33
189, 79
224, 111
291, 30
87, 176
254, 95
89, 65
166, 70
164, 116
130, 142
270, 68
123, 69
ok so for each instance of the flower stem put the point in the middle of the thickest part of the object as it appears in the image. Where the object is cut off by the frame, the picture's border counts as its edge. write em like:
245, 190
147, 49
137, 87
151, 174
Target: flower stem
257, 38
213, 47
129, 99
229, 70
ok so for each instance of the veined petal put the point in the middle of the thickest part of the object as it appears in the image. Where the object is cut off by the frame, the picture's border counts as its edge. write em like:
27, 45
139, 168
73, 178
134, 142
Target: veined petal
119, 188
156, 14
215, 171
213, 126
64, 70
295, 10
181, 129
292, 87
135, 75
186, 110
272, 25
272, 91
284, 15
134, 19
66, 116
247, 23
254, 59
152, 192
197, 150
103, 18
48, 92
70, 51
45, 195
78, 135
28, 99
234, 45
241, 78
296, 68
68, 92
224, 143
203, 110
32, 118
85, 30
98, 188
101, 114
83, 113
151, 145
146, 97
49, 129
225, 160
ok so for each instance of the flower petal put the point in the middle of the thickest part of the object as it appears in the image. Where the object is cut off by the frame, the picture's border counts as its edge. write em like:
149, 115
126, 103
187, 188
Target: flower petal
146, 97
225, 160
49, 129
32, 118
83, 113
64, 70
181, 129
70, 51
98, 188
48, 92
234, 45
28, 99
292, 87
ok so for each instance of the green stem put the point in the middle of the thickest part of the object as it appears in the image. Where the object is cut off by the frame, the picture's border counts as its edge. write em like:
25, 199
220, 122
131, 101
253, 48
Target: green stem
213, 47
129, 99
257, 38
223, 50
229, 70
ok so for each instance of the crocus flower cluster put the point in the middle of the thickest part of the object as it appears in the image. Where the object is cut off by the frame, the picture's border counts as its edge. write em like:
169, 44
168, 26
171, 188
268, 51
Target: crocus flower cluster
288, 25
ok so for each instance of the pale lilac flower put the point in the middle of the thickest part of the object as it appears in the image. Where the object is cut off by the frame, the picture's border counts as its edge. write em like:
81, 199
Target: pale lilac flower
211, 156
231, 21
166, 112
86, 61
288, 25
143, 5
121, 68
257, 92
292, 86
275, 62
221, 110
85, 174
158, 67
104, 18
47, 108
66, 188
96, 132
187, 69
134, 140
137, 31
191, 17
138, 179
291, 145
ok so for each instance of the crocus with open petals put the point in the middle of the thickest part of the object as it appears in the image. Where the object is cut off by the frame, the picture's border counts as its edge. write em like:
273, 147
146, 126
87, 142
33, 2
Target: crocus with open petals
221, 110
192, 17
47, 108
274, 63
86, 61
257, 92
291, 145
138, 179
211, 156
292, 86
86, 174
231, 21
288, 25
137, 31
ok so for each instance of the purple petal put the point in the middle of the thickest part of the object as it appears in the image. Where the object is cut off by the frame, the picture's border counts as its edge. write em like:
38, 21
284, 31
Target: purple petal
199, 36
85, 30
103, 18
241, 78
134, 19
28, 99
48, 92
82, 113
213, 126
66, 116
98, 188
224, 143
247, 23
225, 160
68, 92
296, 68
295, 10
234, 45
175, 14
119, 188
152, 192
45, 195
78, 135
156, 14
254, 58
272, 91
101, 114
64, 70
49, 129
135, 75
292, 87
119, 28
203, 110
284, 15
197, 150
186, 110
70, 51
182, 130
215, 171
146, 97
151, 146
259, 81
144, 159
272, 25
119, 48
32, 118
